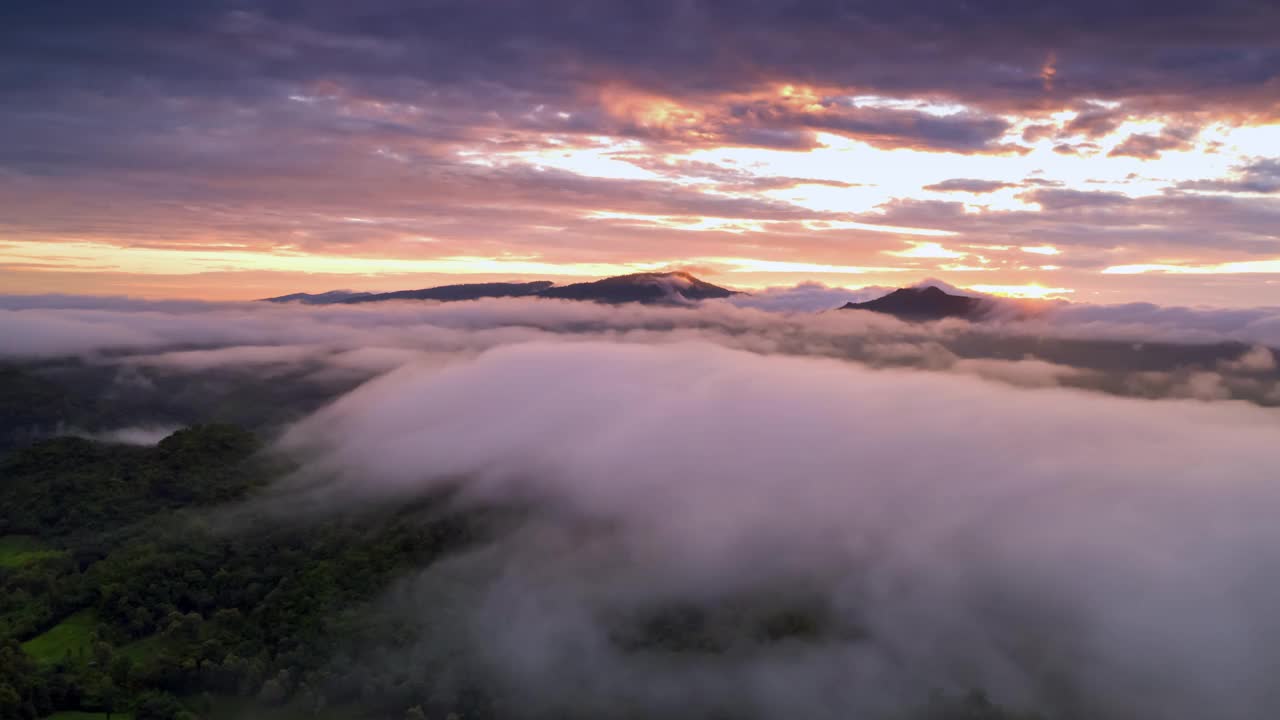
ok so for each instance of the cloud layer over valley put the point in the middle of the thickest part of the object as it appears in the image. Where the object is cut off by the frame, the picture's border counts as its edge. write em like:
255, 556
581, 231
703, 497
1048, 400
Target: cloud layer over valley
719, 511
819, 538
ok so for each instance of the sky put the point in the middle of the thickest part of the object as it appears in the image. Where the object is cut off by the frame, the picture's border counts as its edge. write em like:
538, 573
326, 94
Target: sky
1102, 152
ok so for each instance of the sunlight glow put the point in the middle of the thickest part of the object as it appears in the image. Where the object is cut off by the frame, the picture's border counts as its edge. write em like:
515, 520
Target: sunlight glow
926, 250
97, 257
894, 229
1231, 268
1041, 250
778, 266
733, 225
1031, 291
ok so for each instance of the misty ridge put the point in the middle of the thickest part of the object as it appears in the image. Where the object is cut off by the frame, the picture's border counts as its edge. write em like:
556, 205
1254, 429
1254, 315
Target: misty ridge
158, 363
746, 506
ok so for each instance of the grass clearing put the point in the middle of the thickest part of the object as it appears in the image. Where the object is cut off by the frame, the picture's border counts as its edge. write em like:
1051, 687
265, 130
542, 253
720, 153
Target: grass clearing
70, 638
143, 651
20, 550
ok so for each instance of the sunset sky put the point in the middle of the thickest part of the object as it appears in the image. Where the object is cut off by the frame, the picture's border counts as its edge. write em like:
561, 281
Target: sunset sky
1098, 151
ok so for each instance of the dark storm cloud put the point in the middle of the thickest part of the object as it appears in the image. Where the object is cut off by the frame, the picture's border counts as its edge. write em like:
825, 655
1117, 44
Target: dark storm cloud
79, 70
982, 50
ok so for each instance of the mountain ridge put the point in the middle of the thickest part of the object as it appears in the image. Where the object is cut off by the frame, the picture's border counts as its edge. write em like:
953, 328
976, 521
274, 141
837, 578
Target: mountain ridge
917, 303
649, 288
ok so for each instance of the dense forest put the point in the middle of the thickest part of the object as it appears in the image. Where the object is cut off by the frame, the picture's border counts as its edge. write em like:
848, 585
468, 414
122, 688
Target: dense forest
118, 594
139, 582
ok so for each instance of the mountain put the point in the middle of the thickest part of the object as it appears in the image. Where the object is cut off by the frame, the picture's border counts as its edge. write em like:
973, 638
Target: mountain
465, 291
328, 298
649, 288
925, 303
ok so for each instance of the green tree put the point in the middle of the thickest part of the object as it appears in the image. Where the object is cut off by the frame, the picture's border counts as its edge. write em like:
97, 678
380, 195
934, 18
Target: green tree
159, 706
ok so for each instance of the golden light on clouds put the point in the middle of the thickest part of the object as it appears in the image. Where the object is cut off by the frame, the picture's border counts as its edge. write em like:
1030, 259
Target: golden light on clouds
740, 225
1049, 71
735, 264
803, 213
1231, 268
926, 250
1041, 250
820, 225
92, 256
653, 112
1034, 291
694, 223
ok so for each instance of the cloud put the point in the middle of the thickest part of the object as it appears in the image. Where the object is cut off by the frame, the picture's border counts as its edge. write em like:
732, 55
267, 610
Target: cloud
210, 334
804, 298
1146, 146
260, 357
132, 435
150, 353
1027, 372
1065, 199
1095, 123
969, 185
1084, 148
969, 132
1258, 359
214, 135
837, 511
947, 287
1146, 321
1260, 176
934, 531
985, 50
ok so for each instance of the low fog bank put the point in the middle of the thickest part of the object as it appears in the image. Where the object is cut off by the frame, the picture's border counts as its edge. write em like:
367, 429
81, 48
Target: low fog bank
809, 297
721, 533
144, 436
57, 325
101, 364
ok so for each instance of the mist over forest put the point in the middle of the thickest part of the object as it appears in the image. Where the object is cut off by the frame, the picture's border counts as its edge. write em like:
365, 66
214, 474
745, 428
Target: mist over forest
540, 508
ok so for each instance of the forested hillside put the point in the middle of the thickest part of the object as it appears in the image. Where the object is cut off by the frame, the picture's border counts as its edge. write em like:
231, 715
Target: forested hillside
129, 590
120, 592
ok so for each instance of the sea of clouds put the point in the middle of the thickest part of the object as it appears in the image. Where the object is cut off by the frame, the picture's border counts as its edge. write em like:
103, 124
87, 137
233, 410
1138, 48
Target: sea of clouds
1074, 512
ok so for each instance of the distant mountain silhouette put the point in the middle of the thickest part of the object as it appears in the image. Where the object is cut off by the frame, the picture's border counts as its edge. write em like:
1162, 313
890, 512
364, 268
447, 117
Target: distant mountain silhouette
465, 291
650, 288
647, 288
328, 298
926, 303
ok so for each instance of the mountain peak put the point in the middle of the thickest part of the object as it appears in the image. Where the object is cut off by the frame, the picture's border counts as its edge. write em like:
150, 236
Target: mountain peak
675, 286
923, 303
